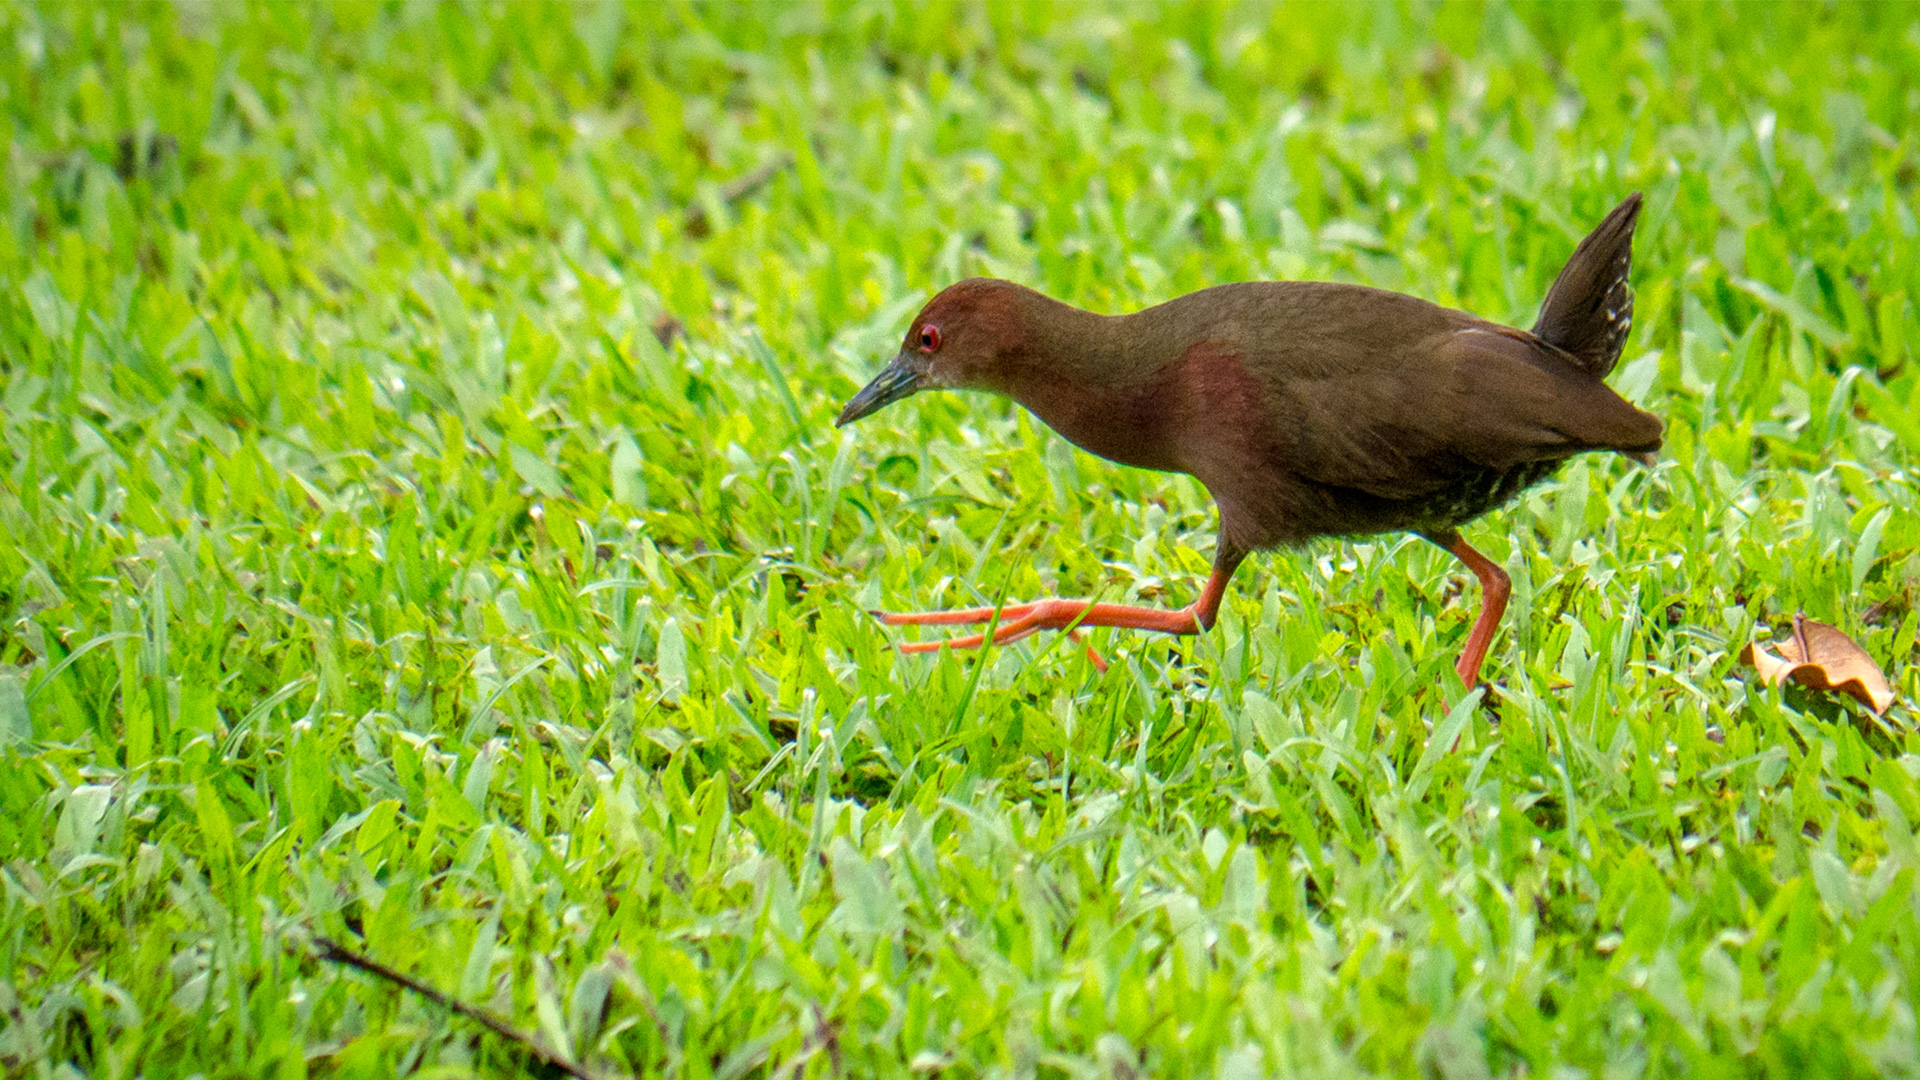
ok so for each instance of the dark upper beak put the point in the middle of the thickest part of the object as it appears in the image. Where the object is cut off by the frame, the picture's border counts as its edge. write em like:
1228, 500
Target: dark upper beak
895, 381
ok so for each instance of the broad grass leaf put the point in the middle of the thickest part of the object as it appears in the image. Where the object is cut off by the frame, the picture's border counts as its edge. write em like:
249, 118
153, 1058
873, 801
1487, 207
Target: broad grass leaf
867, 905
587, 1008
16, 723
479, 967
672, 660
1867, 551
79, 824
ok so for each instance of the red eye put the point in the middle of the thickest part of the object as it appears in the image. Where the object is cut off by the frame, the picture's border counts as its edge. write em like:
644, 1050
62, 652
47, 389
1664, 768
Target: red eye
929, 338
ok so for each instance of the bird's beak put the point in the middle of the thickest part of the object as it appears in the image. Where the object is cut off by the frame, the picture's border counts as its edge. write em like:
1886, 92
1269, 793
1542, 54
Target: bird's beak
897, 380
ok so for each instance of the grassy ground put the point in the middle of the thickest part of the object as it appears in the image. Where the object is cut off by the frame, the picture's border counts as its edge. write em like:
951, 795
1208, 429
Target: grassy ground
370, 568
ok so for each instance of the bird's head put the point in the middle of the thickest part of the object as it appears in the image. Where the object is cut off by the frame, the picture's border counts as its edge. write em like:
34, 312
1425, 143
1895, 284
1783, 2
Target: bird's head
963, 339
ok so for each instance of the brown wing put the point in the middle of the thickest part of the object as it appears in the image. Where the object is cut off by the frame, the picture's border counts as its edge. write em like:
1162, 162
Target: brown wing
1481, 397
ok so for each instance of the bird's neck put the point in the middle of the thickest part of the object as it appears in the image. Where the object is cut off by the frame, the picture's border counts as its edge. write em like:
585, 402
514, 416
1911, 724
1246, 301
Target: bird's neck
1061, 345
1091, 378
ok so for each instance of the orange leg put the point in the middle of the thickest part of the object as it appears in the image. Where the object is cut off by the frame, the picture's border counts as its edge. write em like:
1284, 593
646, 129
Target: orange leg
1020, 620
1496, 587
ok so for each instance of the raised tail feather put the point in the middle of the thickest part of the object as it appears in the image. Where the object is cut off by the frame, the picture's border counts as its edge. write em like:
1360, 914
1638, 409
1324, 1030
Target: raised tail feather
1589, 310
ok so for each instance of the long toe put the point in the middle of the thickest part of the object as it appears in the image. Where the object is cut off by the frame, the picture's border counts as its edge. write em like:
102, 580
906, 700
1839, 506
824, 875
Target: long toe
960, 617
1004, 634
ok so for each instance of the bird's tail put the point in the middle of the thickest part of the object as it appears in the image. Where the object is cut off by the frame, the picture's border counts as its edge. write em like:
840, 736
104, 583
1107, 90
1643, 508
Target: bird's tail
1590, 307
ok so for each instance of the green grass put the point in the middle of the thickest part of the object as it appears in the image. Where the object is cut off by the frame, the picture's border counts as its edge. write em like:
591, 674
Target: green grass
369, 569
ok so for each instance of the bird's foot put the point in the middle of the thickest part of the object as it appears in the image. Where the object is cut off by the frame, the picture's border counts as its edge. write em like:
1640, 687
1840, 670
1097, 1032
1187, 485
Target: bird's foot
1004, 634
1022, 620
1016, 622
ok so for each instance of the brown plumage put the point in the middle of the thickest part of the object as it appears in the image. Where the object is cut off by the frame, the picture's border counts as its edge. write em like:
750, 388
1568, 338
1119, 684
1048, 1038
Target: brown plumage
1306, 408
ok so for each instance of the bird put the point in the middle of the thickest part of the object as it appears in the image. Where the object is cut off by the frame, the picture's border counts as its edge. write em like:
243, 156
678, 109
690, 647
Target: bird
1306, 409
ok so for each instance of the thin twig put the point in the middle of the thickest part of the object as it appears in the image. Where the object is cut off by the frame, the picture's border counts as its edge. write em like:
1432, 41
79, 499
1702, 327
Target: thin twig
339, 954
736, 189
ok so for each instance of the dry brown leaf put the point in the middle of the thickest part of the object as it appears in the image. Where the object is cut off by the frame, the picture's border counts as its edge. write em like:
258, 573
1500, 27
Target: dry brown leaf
1821, 657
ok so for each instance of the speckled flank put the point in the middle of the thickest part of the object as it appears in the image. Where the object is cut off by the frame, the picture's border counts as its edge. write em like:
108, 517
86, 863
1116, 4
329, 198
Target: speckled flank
1475, 492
